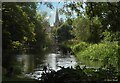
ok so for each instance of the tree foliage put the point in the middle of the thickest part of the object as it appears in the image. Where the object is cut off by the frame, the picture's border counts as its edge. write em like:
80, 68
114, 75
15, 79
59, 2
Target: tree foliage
23, 29
96, 23
108, 12
101, 16
83, 30
64, 32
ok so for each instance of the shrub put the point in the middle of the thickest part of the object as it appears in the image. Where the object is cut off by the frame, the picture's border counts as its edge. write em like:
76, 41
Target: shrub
79, 47
78, 75
104, 52
17, 70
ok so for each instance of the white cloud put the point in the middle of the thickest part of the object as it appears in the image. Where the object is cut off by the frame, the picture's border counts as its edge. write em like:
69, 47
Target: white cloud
52, 12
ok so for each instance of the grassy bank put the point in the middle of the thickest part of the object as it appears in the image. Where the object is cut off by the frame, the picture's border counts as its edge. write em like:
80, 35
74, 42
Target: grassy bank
101, 54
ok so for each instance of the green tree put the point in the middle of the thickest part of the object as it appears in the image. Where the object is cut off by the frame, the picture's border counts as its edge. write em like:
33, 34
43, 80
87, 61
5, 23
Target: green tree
81, 28
108, 14
64, 32
22, 29
16, 30
83, 31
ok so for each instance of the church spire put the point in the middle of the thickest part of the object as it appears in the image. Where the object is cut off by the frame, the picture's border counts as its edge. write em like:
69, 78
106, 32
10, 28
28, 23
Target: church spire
56, 18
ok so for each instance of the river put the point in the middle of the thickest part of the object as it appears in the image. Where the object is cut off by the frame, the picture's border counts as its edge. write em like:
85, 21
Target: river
53, 61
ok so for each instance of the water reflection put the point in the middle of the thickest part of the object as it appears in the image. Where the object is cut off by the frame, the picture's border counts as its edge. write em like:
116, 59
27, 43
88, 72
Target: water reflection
51, 61
54, 62
26, 61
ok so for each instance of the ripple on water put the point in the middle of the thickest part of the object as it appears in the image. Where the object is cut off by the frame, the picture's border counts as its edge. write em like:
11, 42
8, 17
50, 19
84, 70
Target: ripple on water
53, 62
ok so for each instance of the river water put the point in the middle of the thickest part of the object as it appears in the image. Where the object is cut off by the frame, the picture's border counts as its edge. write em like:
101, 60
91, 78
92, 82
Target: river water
53, 61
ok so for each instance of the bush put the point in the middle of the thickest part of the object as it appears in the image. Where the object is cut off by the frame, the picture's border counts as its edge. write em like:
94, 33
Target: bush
78, 75
79, 47
17, 70
64, 33
104, 52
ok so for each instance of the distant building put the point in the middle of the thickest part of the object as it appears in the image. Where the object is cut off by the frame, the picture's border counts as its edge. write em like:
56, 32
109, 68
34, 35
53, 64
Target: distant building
48, 29
57, 22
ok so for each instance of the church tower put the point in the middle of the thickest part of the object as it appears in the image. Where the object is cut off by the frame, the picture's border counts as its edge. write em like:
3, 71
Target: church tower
56, 19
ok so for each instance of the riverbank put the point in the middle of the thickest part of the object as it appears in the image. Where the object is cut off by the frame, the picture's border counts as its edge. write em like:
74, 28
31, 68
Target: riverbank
72, 75
81, 51
102, 54
80, 75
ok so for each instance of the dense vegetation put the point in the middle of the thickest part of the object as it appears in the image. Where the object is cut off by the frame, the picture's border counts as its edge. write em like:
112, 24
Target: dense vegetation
106, 53
95, 33
24, 29
78, 75
63, 33
92, 35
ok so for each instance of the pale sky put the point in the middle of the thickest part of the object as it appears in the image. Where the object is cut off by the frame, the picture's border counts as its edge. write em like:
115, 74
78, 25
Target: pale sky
51, 12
